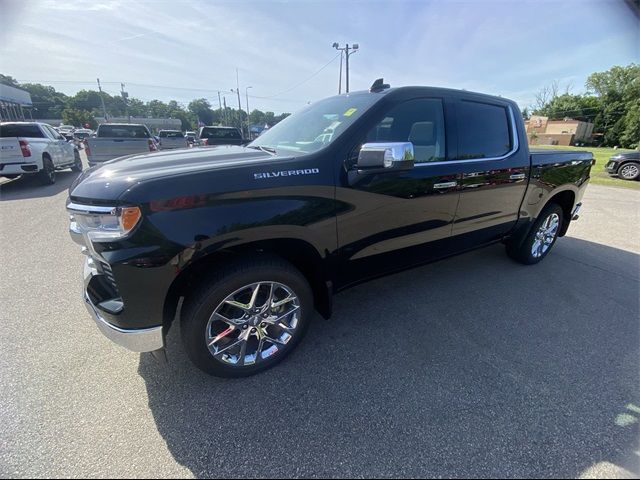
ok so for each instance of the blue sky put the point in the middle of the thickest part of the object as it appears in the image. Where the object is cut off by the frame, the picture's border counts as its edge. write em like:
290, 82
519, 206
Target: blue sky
182, 50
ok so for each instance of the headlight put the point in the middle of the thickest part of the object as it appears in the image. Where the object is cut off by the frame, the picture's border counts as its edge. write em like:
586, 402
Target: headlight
103, 224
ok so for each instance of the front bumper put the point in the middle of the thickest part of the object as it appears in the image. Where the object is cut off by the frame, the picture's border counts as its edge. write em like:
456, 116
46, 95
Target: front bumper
137, 340
612, 167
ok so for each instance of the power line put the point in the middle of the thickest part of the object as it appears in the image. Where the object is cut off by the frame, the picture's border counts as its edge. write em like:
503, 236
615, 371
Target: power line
305, 80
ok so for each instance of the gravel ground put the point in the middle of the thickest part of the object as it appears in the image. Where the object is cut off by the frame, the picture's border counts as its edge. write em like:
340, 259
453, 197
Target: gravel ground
470, 367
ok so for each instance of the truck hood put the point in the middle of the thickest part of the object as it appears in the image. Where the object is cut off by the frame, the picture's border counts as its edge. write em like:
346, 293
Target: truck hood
110, 180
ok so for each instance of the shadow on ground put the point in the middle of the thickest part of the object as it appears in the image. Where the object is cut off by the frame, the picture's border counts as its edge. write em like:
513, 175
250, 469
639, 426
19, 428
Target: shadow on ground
25, 187
473, 366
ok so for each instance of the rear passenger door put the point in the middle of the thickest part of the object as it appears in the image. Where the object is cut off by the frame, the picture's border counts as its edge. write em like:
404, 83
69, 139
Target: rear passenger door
54, 147
494, 169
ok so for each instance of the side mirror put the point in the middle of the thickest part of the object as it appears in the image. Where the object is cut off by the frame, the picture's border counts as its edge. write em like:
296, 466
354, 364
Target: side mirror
389, 155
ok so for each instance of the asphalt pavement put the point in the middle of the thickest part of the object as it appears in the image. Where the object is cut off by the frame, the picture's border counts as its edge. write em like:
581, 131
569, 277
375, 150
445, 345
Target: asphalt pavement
474, 366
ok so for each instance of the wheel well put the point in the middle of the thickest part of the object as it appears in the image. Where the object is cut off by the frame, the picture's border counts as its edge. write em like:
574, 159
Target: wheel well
297, 252
566, 201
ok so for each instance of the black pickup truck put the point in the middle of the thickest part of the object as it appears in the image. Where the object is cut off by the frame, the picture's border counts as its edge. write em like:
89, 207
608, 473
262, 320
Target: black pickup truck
255, 239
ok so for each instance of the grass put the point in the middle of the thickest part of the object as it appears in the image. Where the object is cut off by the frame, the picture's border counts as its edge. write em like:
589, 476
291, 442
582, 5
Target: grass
598, 174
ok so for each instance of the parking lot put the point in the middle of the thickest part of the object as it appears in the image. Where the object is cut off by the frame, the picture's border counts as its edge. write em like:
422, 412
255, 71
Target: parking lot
472, 366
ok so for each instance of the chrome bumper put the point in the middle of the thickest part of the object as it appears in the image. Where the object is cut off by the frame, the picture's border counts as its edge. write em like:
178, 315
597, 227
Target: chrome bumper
137, 340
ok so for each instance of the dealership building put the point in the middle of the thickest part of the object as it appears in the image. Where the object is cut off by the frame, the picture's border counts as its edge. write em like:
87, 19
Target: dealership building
13, 103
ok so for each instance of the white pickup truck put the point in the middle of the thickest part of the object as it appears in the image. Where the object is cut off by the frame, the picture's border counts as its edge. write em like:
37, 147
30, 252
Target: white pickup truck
115, 140
37, 149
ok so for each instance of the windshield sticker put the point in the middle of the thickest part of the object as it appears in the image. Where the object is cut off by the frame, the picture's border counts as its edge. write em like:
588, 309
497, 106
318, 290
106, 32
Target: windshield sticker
285, 173
350, 112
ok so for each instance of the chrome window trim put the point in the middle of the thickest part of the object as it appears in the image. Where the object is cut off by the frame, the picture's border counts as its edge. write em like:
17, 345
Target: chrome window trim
514, 141
91, 209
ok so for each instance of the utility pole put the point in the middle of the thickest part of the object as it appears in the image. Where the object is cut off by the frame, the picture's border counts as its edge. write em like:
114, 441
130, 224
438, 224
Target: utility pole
224, 112
246, 92
237, 90
104, 109
125, 95
354, 48
340, 79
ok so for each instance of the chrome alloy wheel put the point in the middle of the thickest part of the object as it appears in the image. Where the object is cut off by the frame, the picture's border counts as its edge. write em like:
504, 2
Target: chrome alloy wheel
545, 235
629, 171
253, 324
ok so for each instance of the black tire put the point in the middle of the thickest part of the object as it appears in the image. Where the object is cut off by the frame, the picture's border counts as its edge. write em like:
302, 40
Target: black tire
47, 175
201, 304
629, 171
77, 166
524, 252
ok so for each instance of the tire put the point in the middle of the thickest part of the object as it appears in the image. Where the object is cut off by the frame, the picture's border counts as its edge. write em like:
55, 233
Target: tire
537, 244
77, 166
222, 339
629, 171
47, 175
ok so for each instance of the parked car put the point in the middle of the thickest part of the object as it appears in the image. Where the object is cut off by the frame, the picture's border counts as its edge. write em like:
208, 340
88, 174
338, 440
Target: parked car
208, 136
250, 240
115, 140
170, 139
80, 135
64, 129
625, 165
36, 149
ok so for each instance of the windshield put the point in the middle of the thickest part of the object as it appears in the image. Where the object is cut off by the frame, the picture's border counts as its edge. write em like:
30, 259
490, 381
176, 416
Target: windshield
317, 125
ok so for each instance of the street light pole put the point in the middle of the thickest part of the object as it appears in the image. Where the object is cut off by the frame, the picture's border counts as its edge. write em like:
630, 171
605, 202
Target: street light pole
354, 48
246, 93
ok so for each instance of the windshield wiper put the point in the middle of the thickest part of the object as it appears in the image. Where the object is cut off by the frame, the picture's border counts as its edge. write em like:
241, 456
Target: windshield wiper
270, 150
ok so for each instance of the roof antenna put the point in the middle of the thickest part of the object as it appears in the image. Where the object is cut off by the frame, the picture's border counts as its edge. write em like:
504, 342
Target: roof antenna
379, 85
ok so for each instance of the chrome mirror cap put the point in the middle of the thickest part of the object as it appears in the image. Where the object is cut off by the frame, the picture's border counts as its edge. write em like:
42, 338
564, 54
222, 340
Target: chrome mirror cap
385, 154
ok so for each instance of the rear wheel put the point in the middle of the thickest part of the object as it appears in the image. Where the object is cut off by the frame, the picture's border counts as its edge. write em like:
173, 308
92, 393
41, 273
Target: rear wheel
629, 171
247, 318
541, 238
47, 175
77, 165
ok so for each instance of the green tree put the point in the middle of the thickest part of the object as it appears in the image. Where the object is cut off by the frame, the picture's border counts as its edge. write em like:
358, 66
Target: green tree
47, 102
201, 110
8, 80
619, 92
78, 118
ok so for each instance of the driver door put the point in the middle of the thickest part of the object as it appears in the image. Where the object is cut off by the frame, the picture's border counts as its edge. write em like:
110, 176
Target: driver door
401, 217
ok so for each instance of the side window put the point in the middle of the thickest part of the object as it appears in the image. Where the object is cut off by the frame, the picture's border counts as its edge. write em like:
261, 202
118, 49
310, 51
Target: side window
51, 132
420, 122
483, 130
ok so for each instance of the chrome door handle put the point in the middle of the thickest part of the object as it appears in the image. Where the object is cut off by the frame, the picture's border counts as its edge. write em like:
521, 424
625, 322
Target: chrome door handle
517, 176
445, 185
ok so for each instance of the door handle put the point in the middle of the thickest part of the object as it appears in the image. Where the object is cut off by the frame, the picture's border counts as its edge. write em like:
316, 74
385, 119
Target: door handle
443, 185
517, 176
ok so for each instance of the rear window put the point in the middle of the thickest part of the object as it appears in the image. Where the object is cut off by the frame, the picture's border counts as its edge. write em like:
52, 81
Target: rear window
210, 132
483, 130
122, 131
81, 134
166, 134
17, 130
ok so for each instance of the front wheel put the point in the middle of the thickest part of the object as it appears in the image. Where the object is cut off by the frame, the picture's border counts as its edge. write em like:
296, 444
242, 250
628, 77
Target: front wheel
629, 171
247, 318
541, 238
